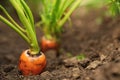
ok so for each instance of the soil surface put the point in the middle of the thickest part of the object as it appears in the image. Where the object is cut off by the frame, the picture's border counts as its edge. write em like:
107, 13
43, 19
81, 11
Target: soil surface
92, 34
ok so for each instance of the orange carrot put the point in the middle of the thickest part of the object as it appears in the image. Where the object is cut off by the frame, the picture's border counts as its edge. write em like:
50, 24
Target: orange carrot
31, 64
31, 61
47, 44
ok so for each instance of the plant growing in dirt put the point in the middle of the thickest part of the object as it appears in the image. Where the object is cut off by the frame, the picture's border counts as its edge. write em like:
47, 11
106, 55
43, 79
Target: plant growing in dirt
54, 14
114, 7
80, 57
31, 61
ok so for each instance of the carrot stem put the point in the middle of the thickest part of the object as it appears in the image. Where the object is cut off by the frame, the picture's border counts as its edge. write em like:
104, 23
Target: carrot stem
15, 28
27, 32
55, 13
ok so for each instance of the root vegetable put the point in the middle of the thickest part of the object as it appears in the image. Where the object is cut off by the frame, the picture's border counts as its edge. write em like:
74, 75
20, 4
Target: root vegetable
31, 64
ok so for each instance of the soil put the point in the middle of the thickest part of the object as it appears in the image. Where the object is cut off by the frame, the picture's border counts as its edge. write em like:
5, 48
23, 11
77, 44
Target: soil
92, 34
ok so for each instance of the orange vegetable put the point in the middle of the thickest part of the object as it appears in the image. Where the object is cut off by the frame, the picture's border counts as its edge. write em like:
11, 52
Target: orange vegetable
47, 44
31, 64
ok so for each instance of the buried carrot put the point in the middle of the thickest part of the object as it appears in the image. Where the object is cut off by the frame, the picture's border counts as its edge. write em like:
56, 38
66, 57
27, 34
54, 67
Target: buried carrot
47, 44
31, 64
32, 61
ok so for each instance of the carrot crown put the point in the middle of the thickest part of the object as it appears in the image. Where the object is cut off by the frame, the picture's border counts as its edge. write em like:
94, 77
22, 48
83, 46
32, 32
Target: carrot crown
54, 14
27, 30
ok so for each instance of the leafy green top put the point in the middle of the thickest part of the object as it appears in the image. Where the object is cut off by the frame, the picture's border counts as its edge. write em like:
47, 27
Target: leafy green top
54, 14
27, 31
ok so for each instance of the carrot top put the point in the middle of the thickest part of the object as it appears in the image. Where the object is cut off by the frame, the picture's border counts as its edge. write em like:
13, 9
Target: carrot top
54, 14
27, 30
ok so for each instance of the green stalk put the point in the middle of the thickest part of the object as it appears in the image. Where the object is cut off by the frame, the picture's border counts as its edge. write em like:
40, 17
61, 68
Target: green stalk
64, 5
75, 5
26, 18
14, 28
54, 15
27, 22
11, 19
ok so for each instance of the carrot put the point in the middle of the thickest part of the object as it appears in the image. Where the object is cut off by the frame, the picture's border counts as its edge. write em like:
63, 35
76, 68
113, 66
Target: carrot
47, 44
32, 61
31, 64
53, 16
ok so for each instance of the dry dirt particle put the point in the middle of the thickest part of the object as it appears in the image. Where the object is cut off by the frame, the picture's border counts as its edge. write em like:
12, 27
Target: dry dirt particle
94, 64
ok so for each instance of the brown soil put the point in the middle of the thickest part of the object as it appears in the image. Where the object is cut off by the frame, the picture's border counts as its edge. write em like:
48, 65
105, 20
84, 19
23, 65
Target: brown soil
98, 40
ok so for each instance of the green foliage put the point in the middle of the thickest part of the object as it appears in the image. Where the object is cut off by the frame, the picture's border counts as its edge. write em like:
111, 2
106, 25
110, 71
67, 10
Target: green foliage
80, 57
54, 14
115, 7
27, 31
